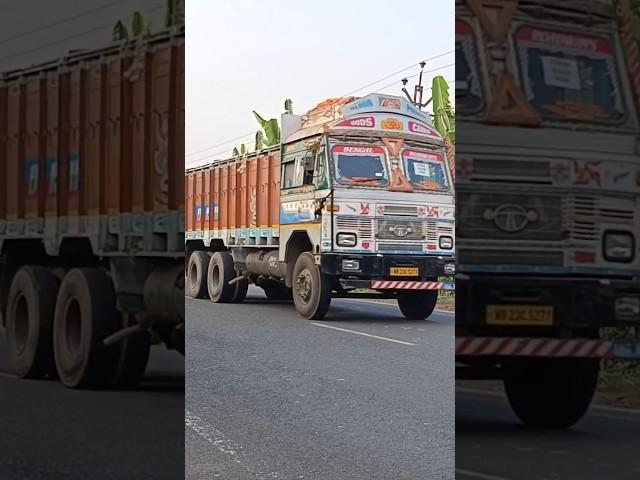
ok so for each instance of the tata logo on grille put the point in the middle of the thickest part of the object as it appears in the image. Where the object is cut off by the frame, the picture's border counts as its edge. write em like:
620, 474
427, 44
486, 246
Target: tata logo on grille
511, 218
400, 230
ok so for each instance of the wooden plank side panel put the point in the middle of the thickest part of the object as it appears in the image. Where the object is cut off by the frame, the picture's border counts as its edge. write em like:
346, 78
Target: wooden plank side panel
139, 132
94, 137
262, 197
176, 129
252, 193
274, 191
52, 136
224, 197
191, 205
3, 151
113, 138
76, 143
198, 201
206, 200
243, 188
215, 207
157, 167
33, 151
15, 150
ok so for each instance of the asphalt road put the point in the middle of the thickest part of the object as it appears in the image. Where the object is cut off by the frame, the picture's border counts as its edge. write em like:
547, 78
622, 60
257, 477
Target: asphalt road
364, 394
492, 445
50, 432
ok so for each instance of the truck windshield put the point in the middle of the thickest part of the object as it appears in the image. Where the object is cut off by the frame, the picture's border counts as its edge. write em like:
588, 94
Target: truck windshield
425, 171
570, 77
365, 166
468, 89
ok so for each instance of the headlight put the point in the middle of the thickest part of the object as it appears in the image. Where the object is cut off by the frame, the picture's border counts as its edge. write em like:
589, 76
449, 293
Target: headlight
449, 268
446, 243
618, 246
628, 307
347, 239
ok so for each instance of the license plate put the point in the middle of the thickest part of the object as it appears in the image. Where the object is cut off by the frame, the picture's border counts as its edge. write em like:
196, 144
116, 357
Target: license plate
405, 271
533, 315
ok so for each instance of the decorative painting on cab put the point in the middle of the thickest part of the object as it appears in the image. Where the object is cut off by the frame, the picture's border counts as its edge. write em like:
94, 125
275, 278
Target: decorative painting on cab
469, 98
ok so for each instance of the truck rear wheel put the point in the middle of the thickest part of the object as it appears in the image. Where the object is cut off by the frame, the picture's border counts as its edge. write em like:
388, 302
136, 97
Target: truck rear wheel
551, 393
197, 274
29, 329
417, 304
221, 271
85, 315
311, 290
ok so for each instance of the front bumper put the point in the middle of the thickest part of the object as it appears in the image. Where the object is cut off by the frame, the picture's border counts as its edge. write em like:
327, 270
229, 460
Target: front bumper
377, 268
587, 303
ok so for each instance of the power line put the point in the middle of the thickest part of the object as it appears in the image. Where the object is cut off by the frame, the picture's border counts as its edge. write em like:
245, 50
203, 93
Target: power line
219, 144
346, 94
426, 71
71, 37
398, 72
59, 22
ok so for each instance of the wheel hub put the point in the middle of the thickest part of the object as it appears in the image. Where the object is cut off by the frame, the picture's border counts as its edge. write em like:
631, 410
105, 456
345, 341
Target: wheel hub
303, 285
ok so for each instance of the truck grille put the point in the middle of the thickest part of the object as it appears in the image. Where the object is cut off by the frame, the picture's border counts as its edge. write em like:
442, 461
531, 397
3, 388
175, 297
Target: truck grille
403, 247
400, 229
509, 217
585, 213
363, 226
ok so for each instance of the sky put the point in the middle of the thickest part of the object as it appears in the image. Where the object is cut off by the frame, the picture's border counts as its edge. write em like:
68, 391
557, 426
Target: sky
245, 55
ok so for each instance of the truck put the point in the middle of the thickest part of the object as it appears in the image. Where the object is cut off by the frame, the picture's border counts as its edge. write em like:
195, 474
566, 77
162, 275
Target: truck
548, 198
356, 201
92, 211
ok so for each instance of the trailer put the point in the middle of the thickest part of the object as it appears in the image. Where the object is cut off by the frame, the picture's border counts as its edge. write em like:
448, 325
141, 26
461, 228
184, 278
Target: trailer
92, 211
548, 185
357, 201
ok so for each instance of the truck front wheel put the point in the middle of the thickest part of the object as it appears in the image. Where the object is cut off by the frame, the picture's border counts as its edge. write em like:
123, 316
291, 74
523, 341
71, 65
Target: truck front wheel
311, 289
551, 393
221, 272
30, 310
417, 304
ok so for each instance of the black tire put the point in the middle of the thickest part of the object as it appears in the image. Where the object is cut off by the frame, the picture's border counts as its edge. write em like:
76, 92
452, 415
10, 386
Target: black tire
311, 289
551, 393
197, 274
29, 328
133, 357
278, 293
240, 291
220, 272
85, 315
417, 304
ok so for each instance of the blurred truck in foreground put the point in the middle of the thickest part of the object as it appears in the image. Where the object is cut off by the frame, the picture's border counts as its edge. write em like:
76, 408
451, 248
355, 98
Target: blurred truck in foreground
548, 197
357, 198
91, 211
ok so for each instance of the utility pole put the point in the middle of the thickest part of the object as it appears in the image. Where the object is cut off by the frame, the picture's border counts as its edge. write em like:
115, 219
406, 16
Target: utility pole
418, 90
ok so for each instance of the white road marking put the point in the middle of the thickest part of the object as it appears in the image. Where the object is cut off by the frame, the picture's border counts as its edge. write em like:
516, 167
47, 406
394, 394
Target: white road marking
479, 475
364, 334
232, 449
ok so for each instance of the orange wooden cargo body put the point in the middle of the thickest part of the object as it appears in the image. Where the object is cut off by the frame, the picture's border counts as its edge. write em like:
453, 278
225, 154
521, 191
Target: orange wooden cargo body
235, 200
94, 145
